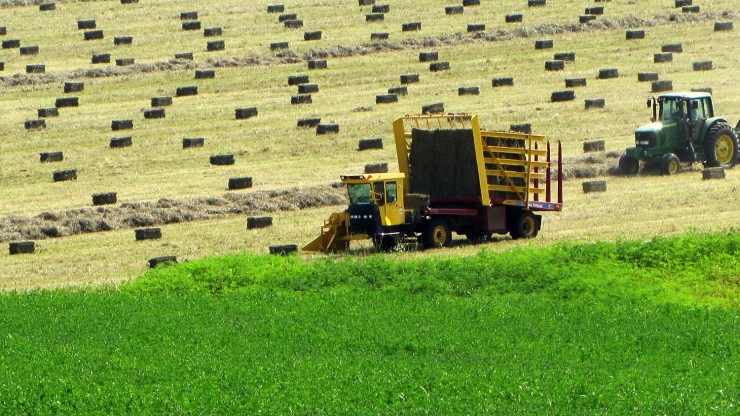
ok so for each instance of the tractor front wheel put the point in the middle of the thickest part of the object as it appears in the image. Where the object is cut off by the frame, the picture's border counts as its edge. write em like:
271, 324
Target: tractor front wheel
669, 164
629, 165
436, 234
720, 147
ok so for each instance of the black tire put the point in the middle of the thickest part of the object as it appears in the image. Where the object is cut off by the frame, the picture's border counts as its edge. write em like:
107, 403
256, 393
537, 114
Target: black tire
629, 165
436, 234
720, 147
385, 242
669, 164
524, 225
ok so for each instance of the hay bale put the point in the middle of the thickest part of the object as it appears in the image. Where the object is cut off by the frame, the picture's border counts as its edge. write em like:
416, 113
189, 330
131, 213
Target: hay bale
428, 56
189, 142
439, 66
433, 108
125, 62
690, 9
101, 58
205, 74
47, 7
123, 40
468, 91
212, 31
149, 233
286, 249
586, 18
186, 56
703, 66
258, 222
514, 18
376, 168
316, 35
129, 1
503, 82
186, 91
74, 87
48, 112
595, 11
11, 43
713, 173
21, 247
35, 124
386, 98
672, 47
161, 101
567, 95
308, 122
297, 79
215, 45
107, 198
154, 113
565, 56
411, 27
536, 3
194, 25
293, 24
366, 144
245, 113
2, 66
86, 24
476, 27
222, 160
366, 2
594, 146
595, 103
162, 261
50, 231
443, 163
647, 76
66, 102
276, 46
554, 65
379, 36
327, 129
65, 175
398, 90
287, 16
121, 125
635, 34
543, 44
409, 78
682, 3
707, 90
29, 50
120, 142
662, 86
525, 128
275, 8
50, 157
35, 69
240, 183
594, 186
301, 99
93, 35
3, 30
317, 64
723, 26
608, 73
468, 3
452, 10
192, 15
575, 82
374, 17
308, 88
381, 8
416, 201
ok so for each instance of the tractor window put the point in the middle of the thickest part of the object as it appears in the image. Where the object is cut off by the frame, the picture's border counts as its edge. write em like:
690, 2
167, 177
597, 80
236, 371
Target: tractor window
391, 189
697, 110
359, 193
379, 194
672, 110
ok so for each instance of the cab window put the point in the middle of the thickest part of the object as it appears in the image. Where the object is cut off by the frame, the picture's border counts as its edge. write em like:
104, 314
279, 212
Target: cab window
379, 194
359, 193
391, 189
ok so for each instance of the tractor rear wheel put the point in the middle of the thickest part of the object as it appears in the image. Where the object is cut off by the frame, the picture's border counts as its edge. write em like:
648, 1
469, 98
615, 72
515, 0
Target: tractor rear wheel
720, 147
669, 164
436, 234
524, 225
629, 165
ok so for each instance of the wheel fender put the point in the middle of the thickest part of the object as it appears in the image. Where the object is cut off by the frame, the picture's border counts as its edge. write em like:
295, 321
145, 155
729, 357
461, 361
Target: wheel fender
711, 122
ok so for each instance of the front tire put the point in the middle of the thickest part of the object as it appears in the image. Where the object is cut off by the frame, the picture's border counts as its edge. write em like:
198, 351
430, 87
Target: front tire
525, 225
720, 147
669, 164
436, 234
629, 165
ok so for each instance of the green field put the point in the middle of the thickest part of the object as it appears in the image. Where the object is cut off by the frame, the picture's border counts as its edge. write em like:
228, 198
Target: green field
608, 328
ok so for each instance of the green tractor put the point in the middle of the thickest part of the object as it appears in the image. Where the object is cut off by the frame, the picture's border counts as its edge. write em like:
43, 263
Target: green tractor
684, 129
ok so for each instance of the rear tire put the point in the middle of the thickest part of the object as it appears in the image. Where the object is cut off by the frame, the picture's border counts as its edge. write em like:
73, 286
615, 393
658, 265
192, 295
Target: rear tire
629, 165
720, 147
436, 234
669, 164
525, 225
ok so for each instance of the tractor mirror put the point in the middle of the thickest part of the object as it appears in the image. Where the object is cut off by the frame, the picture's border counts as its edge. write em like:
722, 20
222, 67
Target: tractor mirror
649, 103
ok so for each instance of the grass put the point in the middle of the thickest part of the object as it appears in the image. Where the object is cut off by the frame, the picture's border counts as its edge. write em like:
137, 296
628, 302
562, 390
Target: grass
277, 155
570, 329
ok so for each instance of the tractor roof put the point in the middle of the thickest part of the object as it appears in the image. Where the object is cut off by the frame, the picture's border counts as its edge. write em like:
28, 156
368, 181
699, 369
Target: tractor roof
690, 95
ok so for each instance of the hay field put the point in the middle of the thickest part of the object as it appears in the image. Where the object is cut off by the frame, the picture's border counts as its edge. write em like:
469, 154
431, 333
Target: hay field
277, 155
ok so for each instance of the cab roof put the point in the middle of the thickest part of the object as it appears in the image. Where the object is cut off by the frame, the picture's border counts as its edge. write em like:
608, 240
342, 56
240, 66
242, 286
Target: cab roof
690, 95
373, 176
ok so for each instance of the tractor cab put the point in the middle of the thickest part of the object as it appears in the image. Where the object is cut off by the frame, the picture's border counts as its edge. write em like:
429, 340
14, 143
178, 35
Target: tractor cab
375, 202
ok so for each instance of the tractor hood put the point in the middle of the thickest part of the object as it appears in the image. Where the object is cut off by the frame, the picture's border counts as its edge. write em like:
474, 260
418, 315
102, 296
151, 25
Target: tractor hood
650, 128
